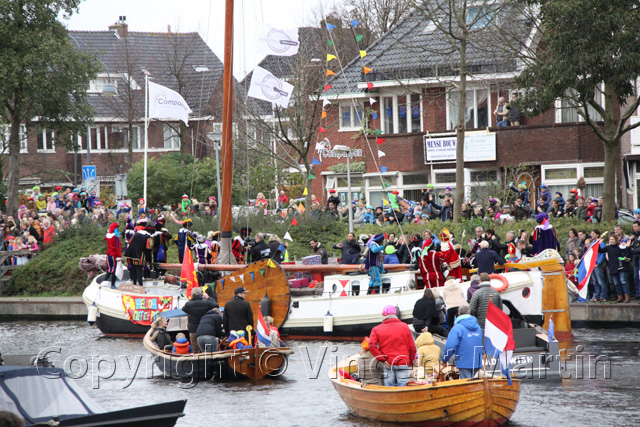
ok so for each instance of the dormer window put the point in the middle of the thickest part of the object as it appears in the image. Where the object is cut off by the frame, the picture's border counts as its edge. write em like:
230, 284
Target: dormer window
97, 85
200, 68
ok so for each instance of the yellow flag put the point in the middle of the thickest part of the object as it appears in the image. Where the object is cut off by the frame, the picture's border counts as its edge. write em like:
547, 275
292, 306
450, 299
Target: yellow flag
323, 115
363, 53
305, 192
384, 202
330, 57
330, 73
271, 264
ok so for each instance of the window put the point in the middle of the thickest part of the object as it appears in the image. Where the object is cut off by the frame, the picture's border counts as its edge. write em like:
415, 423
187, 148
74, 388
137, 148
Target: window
413, 184
402, 114
484, 176
445, 177
339, 183
96, 86
44, 139
565, 173
415, 179
566, 113
594, 172
564, 178
476, 111
351, 118
171, 138
480, 17
5, 131
137, 138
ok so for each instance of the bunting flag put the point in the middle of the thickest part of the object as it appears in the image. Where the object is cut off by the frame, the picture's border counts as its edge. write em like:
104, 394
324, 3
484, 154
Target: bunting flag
314, 161
294, 221
232, 278
372, 101
310, 176
327, 87
330, 57
329, 42
369, 85
354, 23
267, 87
385, 185
330, 73
380, 141
386, 236
385, 202
301, 208
221, 283
384, 169
272, 41
359, 38
305, 192
271, 264
325, 103
378, 132
253, 275
188, 271
330, 27
319, 146
381, 154
374, 115
366, 70
287, 236
363, 53
262, 271
323, 115
321, 129
241, 278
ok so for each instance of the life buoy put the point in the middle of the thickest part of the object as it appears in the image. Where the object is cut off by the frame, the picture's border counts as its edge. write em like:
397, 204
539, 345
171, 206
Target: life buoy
505, 282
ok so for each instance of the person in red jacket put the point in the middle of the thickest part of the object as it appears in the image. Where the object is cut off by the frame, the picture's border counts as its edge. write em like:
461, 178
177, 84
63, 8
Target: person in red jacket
392, 343
114, 252
430, 264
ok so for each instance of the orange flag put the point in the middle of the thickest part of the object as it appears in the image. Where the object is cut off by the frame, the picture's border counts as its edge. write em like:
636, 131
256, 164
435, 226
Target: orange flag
367, 70
188, 271
330, 73
323, 115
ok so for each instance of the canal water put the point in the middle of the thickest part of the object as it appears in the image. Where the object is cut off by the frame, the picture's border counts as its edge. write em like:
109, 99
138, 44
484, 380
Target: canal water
606, 393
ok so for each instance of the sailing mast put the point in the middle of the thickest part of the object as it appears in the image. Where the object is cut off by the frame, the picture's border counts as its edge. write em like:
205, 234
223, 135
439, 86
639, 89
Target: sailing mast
225, 256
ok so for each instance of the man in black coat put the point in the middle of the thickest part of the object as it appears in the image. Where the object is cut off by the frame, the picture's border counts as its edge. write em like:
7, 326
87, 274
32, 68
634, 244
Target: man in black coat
486, 258
196, 307
209, 330
260, 250
350, 250
237, 313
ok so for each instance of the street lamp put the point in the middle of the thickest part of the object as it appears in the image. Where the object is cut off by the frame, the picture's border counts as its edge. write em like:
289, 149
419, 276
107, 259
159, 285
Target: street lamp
216, 138
345, 149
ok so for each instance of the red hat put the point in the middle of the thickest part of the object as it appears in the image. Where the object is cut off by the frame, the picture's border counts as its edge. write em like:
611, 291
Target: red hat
141, 201
427, 243
395, 192
573, 190
58, 188
113, 226
332, 191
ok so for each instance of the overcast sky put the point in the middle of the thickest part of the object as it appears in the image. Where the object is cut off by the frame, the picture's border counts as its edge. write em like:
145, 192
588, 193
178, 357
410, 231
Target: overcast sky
204, 16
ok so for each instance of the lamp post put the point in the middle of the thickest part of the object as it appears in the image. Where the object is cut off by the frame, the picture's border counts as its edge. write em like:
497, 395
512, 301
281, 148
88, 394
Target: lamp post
345, 149
216, 138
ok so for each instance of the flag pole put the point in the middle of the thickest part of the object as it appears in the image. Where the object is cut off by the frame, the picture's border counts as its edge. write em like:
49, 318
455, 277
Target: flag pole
146, 135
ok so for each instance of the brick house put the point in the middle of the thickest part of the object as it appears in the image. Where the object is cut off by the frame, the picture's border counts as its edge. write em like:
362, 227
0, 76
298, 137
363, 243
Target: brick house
180, 61
417, 111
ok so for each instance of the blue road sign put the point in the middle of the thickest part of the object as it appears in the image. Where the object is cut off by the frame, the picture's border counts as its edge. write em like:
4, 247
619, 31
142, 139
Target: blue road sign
88, 173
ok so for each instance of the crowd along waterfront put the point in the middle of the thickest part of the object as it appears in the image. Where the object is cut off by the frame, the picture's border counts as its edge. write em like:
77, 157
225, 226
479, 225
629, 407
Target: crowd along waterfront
118, 373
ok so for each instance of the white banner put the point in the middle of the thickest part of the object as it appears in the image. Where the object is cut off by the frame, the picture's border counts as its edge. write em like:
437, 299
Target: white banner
267, 87
165, 103
272, 41
478, 147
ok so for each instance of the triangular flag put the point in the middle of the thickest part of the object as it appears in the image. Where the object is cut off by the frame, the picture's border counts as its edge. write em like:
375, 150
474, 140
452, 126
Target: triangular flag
384, 169
314, 161
325, 102
385, 185
241, 278
355, 23
323, 115
233, 279
330, 57
262, 271
385, 235
321, 129
319, 146
222, 283
369, 85
378, 132
253, 275
372, 100
301, 208
330, 27
310, 177
366, 70
359, 37
305, 192
385, 202
329, 42
380, 141
363, 53
381, 154
327, 87
294, 221
330, 73
271, 264
374, 115
287, 236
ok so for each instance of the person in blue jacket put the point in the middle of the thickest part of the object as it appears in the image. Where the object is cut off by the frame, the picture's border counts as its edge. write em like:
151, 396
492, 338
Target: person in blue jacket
368, 217
374, 263
599, 284
465, 343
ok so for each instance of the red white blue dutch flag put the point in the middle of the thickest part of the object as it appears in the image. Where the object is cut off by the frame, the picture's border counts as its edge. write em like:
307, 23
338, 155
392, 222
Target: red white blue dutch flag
498, 338
263, 331
585, 268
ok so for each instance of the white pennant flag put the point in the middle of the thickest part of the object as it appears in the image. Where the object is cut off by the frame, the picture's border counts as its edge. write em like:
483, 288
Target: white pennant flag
319, 147
287, 236
272, 41
325, 102
267, 87
381, 154
372, 101
241, 278
233, 279
165, 103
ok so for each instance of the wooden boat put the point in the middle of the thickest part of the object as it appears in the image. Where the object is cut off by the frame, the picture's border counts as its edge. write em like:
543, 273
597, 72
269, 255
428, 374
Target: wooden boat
47, 396
460, 402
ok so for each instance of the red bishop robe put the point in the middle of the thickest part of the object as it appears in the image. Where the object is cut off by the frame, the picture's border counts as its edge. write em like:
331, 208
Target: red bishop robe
431, 269
452, 259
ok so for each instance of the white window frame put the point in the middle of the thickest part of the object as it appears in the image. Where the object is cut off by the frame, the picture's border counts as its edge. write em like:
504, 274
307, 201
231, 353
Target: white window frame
173, 140
559, 109
475, 107
97, 85
4, 139
332, 183
355, 124
571, 181
395, 112
45, 141
467, 179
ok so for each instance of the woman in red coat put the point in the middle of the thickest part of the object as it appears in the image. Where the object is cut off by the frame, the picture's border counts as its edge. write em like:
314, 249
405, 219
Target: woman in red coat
430, 264
114, 252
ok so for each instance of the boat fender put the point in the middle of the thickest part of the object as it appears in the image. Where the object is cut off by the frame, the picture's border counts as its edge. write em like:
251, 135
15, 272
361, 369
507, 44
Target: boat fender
328, 322
398, 311
93, 314
265, 305
500, 277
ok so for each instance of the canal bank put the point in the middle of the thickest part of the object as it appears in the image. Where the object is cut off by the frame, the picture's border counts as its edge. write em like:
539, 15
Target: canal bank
73, 308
